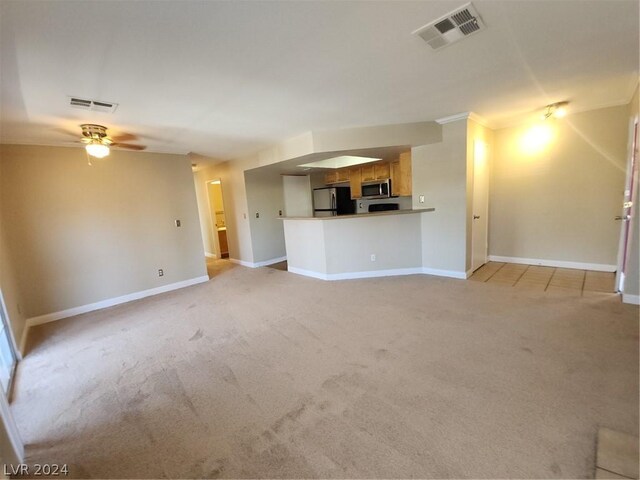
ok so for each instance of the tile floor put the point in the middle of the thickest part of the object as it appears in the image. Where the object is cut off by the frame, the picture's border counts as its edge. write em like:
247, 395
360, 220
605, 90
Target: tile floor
558, 281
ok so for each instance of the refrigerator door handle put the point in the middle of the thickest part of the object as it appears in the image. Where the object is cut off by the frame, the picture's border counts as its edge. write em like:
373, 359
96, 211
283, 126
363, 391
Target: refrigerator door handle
333, 201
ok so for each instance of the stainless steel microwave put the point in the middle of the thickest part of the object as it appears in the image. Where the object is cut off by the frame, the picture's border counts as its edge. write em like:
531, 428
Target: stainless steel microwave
378, 189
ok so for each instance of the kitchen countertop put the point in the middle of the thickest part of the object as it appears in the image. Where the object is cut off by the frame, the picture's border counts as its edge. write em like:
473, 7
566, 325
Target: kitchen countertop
364, 215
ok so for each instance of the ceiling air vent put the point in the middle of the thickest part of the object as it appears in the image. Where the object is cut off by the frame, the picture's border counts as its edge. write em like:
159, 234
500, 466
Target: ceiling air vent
93, 105
452, 27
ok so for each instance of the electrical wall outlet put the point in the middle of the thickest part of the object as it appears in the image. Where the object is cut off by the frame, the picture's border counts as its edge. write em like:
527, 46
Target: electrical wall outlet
421, 198
160, 272
178, 223
280, 213
373, 257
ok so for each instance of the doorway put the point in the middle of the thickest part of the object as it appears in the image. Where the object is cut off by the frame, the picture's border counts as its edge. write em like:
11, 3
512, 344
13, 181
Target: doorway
8, 355
627, 207
218, 219
480, 207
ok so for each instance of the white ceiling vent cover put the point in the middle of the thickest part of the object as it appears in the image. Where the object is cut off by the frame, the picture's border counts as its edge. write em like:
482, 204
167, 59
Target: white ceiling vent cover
461, 23
93, 105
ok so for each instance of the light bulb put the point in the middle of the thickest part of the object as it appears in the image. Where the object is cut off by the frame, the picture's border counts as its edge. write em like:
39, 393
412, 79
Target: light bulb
97, 150
560, 112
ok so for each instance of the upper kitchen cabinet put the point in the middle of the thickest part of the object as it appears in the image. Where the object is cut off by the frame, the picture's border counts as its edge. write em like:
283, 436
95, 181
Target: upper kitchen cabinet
342, 175
355, 182
367, 173
375, 171
382, 171
336, 176
401, 175
330, 177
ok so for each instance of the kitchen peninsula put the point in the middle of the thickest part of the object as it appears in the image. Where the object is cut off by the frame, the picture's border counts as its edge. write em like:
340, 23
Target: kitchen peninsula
355, 246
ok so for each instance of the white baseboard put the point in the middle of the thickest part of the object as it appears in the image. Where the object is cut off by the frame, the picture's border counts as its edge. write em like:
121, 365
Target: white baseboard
394, 272
598, 267
264, 263
308, 273
270, 262
446, 273
110, 302
210, 255
632, 299
241, 262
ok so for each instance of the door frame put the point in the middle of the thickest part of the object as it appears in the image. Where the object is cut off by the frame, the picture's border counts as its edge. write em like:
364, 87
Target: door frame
212, 217
485, 252
13, 346
630, 195
12, 431
12, 339
5, 412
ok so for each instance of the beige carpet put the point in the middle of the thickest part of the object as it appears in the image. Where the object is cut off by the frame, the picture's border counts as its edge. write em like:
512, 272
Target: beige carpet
263, 373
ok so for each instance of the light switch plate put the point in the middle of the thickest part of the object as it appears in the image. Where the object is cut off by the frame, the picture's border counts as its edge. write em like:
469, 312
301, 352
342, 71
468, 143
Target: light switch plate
178, 223
421, 198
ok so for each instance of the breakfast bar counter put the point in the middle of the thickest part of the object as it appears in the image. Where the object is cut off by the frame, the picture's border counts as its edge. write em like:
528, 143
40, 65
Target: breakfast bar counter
355, 246
364, 215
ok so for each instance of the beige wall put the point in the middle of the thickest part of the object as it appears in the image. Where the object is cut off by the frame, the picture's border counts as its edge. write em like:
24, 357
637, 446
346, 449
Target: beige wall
393, 239
8, 279
80, 234
305, 245
265, 201
409, 134
440, 174
558, 202
297, 196
331, 248
632, 282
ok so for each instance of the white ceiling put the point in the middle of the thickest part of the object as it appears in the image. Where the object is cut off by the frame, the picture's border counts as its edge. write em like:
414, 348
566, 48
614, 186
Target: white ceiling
226, 78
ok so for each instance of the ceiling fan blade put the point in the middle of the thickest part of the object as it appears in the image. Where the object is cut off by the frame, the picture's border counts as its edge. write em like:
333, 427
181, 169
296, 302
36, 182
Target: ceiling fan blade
123, 137
66, 132
129, 146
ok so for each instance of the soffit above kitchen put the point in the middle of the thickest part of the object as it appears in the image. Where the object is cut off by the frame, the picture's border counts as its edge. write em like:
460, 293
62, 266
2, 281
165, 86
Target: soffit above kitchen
222, 79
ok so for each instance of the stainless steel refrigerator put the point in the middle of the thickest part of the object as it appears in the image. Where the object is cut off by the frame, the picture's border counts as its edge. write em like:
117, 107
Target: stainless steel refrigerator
332, 201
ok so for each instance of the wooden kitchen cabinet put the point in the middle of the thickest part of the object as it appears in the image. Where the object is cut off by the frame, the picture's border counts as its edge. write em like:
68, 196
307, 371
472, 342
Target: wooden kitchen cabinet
330, 177
336, 176
395, 177
342, 175
224, 246
368, 173
376, 171
382, 171
401, 175
355, 182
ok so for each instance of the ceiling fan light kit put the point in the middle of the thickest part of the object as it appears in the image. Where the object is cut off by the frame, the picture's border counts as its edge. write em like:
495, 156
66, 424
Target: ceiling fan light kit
97, 142
97, 149
557, 110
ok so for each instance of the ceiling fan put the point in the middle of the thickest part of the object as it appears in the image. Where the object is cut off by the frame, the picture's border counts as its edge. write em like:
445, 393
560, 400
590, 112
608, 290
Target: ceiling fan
97, 142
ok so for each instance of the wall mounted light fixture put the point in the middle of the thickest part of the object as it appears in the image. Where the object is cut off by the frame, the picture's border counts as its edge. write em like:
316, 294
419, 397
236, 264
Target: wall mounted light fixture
557, 110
